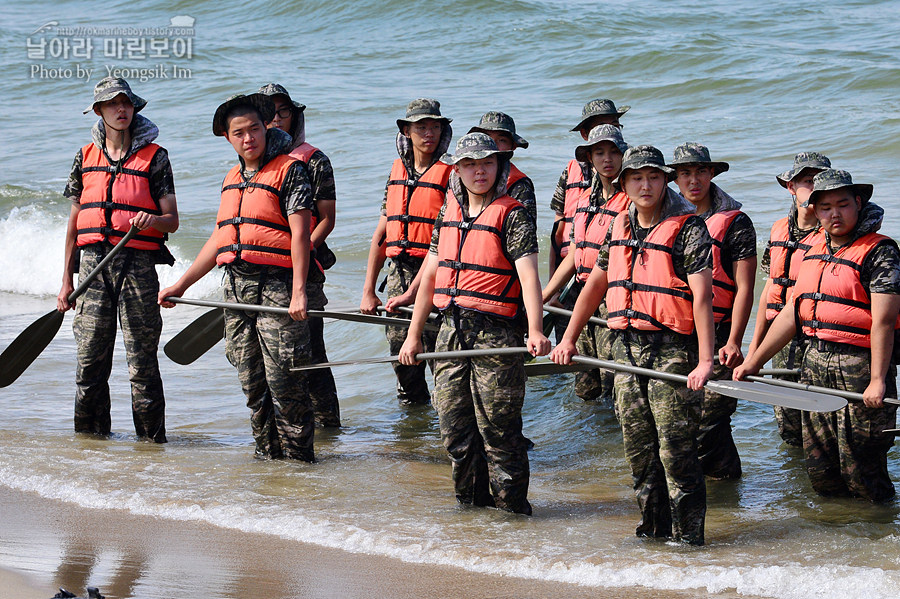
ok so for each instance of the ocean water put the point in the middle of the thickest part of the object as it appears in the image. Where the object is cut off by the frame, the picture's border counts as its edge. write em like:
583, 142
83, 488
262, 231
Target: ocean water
756, 82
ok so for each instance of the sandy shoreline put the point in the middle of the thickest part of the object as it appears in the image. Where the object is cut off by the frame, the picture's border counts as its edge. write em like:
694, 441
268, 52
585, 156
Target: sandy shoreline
48, 544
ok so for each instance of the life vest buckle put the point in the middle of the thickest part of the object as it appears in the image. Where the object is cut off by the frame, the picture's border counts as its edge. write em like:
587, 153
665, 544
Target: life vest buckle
452, 292
404, 243
454, 264
404, 218
465, 225
817, 296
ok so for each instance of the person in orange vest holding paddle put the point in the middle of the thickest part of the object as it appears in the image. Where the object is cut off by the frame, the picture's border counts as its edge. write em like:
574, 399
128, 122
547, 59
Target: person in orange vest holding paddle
481, 273
413, 198
846, 302
261, 240
121, 179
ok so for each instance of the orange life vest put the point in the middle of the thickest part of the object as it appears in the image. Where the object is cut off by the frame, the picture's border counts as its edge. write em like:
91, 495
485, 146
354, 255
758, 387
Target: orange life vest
474, 270
576, 182
515, 175
724, 287
303, 153
783, 251
590, 227
644, 291
832, 303
251, 224
412, 207
111, 196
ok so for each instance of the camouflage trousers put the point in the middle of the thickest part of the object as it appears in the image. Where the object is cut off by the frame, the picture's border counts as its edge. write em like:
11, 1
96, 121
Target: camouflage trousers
322, 389
411, 385
659, 426
595, 341
715, 444
789, 419
264, 347
479, 405
846, 451
126, 289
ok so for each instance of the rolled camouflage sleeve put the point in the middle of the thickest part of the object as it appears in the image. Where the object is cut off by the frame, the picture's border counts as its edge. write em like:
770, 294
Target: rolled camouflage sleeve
692, 251
882, 269
519, 232
603, 253
741, 238
384, 200
74, 185
766, 261
523, 190
436, 232
296, 192
558, 201
321, 177
162, 181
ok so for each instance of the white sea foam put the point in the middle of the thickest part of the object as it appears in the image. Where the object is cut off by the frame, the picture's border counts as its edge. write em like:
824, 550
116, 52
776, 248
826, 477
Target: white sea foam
785, 581
31, 255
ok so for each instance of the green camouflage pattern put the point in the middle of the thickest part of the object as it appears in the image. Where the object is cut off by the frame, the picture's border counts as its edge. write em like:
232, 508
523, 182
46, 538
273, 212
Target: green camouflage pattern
599, 107
846, 451
475, 146
322, 388
411, 385
659, 426
638, 157
125, 290
595, 341
558, 201
110, 87
803, 161
694, 153
715, 445
500, 121
479, 405
264, 348
523, 190
422, 108
609, 133
790, 426
831, 179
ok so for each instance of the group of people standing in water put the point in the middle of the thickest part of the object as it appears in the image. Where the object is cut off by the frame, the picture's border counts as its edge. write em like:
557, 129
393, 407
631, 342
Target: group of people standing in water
671, 273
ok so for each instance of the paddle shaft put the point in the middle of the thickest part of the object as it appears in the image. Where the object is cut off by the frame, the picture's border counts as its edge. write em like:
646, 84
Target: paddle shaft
438, 355
568, 313
816, 389
83, 284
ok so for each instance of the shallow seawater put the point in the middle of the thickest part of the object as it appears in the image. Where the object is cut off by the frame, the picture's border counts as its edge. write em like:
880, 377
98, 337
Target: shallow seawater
743, 80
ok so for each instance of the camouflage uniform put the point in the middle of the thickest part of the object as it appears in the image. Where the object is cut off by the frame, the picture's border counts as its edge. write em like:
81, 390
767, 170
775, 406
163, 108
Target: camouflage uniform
660, 420
322, 388
411, 386
264, 347
127, 287
479, 400
846, 451
718, 453
788, 419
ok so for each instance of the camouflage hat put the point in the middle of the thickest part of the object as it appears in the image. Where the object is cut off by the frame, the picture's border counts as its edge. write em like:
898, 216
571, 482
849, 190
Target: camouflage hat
803, 161
475, 146
110, 87
830, 179
423, 108
599, 107
275, 89
499, 121
640, 156
260, 102
694, 153
600, 133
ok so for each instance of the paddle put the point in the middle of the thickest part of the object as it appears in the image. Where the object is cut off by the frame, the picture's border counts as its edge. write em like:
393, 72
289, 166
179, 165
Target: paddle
815, 389
757, 392
547, 368
202, 334
32, 341
564, 312
435, 355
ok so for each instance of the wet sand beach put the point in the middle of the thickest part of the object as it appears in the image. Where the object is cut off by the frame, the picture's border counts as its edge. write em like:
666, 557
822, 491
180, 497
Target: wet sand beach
59, 544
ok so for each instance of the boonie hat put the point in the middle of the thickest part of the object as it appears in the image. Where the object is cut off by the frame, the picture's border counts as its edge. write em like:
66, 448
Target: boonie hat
423, 108
110, 87
599, 107
694, 153
260, 102
600, 133
274, 89
475, 146
802, 161
638, 157
831, 179
499, 121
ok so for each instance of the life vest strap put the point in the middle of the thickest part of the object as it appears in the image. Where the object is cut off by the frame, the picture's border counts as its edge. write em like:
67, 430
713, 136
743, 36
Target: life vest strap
457, 265
411, 218
824, 297
120, 206
407, 244
818, 324
635, 315
240, 220
115, 171
832, 259
455, 292
641, 245
724, 285
246, 184
471, 226
632, 286
588, 244
111, 232
238, 247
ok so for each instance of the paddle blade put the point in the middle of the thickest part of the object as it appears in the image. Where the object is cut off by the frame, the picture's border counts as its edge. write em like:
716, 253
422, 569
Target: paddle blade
28, 346
786, 398
197, 338
544, 368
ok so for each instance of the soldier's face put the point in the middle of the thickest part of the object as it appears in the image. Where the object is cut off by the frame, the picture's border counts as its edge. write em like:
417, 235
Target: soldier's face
838, 212
503, 140
801, 186
607, 159
424, 135
116, 113
247, 135
479, 176
284, 115
645, 186
694, 180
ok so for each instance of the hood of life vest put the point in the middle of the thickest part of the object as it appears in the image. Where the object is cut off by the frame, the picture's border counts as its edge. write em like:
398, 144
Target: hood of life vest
405, 149
143, 132
674, 204
721, 201
455, 183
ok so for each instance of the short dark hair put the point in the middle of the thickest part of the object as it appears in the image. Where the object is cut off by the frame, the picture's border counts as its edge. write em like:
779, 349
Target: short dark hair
242, 110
